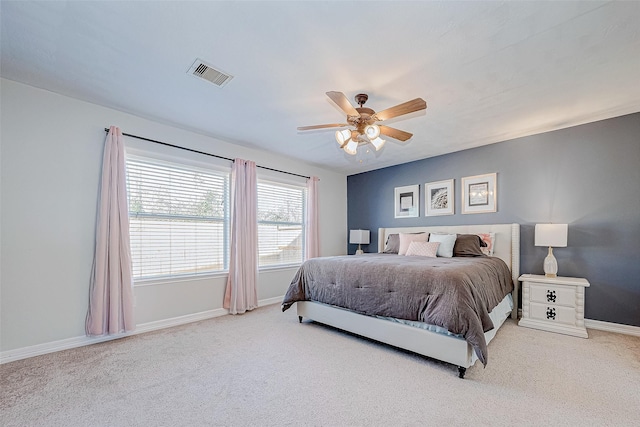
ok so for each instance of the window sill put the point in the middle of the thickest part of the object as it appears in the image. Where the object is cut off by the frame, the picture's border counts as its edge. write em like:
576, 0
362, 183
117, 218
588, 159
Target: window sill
208, 276
278, 267
177, 279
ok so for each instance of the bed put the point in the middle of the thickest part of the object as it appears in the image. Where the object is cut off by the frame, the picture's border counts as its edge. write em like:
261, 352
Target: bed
427, 340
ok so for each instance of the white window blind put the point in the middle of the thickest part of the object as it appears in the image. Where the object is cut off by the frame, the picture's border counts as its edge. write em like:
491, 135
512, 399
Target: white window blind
179, 218
281, 212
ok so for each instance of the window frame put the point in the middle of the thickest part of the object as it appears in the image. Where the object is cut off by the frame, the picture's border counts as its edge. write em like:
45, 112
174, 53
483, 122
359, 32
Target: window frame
272, 179
188, 164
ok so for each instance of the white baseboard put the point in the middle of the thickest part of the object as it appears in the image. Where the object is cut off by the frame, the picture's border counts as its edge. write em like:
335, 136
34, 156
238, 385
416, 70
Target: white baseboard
177, 321
612, 327
69, 343
269, 301
51, 347
599, 325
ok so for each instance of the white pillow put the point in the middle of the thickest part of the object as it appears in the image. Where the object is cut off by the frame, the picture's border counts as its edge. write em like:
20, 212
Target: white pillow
407, 238
428, 249
447, 242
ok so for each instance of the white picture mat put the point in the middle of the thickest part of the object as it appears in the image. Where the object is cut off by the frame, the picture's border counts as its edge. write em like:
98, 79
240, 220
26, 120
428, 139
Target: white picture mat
406, 201
435, 193
479, 193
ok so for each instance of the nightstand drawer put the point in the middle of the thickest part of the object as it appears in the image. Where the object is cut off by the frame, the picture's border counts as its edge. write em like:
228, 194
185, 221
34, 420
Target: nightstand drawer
553, 313
550, 294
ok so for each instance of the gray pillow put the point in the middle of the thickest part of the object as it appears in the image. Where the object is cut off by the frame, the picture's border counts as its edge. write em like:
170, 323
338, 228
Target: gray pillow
393, 244
468, 245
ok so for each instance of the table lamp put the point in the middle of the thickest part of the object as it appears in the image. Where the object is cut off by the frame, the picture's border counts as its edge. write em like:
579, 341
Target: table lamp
359, 237
553, 236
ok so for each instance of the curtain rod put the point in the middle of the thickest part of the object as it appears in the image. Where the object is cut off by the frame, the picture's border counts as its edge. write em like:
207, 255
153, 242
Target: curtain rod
203, 153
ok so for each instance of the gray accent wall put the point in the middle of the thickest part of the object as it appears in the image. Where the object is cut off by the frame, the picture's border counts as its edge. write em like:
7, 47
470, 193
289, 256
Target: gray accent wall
587, 176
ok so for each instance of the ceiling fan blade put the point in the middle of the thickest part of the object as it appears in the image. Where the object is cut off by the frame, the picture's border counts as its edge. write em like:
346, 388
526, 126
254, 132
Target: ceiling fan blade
342, 102
394, 133
402, 109
332, 125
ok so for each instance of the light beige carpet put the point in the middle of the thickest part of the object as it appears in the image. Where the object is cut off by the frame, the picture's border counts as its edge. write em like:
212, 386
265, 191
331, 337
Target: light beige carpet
265, 369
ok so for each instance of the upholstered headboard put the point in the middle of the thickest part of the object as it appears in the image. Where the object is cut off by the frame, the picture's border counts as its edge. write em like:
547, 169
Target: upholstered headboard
506, 245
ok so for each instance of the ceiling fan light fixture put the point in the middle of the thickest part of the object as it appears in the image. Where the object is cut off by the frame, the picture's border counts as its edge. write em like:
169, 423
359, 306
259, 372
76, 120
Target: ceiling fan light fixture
372, 132
351, 147
342, 136
378, 143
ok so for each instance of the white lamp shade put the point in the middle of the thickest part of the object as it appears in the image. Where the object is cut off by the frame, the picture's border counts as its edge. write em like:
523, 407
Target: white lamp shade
552, 235
342, 136
351, 147
359, 237
378, 143
372, 132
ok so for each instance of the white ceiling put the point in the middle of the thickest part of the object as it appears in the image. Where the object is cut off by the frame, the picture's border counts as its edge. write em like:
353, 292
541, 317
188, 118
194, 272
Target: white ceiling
489, 71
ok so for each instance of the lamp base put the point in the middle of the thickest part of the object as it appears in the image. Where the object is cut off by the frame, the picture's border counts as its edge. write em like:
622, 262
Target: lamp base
359, 252
550, 264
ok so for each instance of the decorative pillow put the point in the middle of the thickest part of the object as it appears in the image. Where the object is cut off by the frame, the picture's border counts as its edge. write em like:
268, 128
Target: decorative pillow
447, 242
468, 245
428, 249
393, 244
488, 239
407, 238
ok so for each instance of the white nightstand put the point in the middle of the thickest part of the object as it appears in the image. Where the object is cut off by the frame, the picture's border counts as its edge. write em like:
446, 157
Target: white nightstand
553, 304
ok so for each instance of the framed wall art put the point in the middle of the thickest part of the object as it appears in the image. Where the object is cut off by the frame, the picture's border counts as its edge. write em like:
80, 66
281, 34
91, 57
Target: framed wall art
479, 194
407, 201
439, 198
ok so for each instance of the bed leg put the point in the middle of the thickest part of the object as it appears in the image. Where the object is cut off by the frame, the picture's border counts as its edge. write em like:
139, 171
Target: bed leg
461, 372
299, 319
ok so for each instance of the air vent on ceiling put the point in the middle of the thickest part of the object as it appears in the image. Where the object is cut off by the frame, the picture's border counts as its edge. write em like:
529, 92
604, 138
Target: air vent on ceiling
209, 73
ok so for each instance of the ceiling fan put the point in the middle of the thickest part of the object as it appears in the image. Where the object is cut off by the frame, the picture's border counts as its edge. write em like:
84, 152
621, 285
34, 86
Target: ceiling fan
364, 120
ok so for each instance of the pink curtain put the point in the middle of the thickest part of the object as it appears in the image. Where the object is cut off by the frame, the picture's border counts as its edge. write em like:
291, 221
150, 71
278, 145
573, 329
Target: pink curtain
312, 233
241, 294
111, 293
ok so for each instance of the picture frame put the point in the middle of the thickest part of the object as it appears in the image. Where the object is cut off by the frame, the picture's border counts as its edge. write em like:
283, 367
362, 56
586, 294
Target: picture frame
439, 198
479, 194
407, 201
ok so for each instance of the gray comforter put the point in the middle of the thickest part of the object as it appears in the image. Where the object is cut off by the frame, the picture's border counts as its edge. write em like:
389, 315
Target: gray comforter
454, 293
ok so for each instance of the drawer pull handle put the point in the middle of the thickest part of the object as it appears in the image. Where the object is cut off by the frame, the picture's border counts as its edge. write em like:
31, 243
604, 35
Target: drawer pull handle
551, 296
551, 313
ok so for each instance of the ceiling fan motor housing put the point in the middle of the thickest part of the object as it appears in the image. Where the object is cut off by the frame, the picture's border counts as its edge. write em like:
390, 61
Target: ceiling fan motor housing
361, 98
366, 117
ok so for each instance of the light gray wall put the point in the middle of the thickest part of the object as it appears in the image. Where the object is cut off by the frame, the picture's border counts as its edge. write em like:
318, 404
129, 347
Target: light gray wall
587, 176
51, 159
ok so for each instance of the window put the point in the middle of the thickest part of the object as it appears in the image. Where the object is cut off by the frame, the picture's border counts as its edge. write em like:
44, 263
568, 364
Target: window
179, 218
281, 212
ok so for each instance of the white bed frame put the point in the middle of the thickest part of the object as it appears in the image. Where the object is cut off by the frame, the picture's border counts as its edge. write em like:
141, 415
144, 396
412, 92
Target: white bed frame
447, 348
